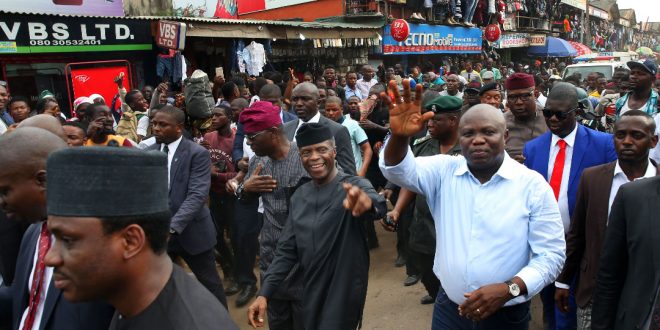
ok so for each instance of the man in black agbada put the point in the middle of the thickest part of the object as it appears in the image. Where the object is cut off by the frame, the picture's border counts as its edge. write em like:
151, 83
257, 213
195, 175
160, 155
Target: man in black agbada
325, 234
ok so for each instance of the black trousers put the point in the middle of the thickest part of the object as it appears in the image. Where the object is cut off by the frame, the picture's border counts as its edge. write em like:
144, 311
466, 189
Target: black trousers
247, 224
403, 239
203, 266
222, 212
285, 314
424, 264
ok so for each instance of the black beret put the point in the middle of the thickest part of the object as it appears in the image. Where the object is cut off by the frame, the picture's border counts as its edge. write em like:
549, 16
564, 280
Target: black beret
106, 182
488, 87
312, 133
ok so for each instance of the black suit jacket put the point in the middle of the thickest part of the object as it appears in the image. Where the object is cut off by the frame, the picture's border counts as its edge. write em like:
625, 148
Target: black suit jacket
342, 141
58, 314
629, 270
584, 241
11, 234
190, 181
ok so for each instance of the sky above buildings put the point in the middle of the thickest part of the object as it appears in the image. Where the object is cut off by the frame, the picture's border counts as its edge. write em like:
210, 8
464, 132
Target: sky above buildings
643, 9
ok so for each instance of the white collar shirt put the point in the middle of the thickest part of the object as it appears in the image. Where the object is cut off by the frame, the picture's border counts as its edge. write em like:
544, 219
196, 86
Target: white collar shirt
620, 179
481, 238
563, 189
170, 155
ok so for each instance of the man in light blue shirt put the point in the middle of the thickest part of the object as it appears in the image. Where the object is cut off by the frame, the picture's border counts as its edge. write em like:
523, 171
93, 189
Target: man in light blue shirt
500, 237
351, 87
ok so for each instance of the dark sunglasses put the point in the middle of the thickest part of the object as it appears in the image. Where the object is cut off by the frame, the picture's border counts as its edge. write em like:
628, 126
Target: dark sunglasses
561, 115
524, 97
251, 137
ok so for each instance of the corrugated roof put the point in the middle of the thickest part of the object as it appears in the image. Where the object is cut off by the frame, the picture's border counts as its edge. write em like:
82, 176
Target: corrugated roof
300, 24
602, 4
628, 14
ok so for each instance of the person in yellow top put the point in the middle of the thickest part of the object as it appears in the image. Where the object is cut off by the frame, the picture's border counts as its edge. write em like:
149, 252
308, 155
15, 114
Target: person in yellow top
100, 132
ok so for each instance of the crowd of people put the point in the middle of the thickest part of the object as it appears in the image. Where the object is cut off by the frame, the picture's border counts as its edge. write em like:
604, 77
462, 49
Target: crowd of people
501, 182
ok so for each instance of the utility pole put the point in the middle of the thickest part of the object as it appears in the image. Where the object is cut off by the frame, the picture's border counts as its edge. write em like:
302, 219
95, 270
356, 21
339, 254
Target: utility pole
587, 27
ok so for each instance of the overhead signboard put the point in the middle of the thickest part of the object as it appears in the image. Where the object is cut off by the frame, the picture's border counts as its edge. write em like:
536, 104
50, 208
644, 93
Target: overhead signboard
250, 6
171, 35
53, 34
71, 7
579, 4
537, 39
512, 40
434, 39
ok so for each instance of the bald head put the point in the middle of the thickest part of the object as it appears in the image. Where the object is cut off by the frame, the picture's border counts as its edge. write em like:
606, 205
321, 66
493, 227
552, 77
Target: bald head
564, 91
484, 113
270, 91
306, 88
46, 122
26, 149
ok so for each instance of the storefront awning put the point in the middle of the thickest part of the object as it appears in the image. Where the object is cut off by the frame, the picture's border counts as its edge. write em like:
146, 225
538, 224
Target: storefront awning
554, 47
580, 48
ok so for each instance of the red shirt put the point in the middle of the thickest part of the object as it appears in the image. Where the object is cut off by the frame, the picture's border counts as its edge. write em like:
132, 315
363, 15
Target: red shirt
221, 150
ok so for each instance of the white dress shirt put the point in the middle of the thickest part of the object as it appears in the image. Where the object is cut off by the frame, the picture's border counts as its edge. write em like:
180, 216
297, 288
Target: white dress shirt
563, 189
486, 233
655, 152
620, 179
365, 86
48, 275
314, 119
170, 155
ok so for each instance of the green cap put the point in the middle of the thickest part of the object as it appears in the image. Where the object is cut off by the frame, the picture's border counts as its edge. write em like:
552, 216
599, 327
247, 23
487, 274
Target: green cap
46, 94
444, 104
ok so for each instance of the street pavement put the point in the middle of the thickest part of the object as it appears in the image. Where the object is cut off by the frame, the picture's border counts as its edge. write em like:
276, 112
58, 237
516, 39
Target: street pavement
389, 305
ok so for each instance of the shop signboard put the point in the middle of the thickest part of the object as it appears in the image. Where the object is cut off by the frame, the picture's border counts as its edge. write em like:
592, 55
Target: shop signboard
434, 39
579, 4
250, 6
595, 12
54, 34
513, 40
70, 7
537, 39
171, 35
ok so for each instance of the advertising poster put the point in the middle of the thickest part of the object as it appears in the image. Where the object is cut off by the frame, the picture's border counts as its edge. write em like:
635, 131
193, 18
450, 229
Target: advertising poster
71, 7
88, 81
434, 39
250, 6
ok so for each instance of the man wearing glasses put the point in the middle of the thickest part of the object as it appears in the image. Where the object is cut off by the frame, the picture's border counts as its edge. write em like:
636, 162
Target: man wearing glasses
273, 174
5, 118
560, 156
524, 119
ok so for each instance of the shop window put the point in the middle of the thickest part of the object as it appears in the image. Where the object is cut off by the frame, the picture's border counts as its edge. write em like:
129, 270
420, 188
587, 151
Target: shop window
30, 80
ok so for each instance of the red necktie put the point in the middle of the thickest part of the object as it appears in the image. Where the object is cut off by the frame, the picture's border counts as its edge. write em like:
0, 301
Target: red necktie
38, 277
558, 168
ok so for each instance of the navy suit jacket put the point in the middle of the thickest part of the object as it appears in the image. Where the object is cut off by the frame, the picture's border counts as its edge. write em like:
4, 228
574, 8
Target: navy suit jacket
58, 314
190, 181
237, 152
591, 148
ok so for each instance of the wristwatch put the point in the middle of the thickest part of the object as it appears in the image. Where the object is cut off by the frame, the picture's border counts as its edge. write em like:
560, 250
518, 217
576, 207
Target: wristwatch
514, 289
239, 191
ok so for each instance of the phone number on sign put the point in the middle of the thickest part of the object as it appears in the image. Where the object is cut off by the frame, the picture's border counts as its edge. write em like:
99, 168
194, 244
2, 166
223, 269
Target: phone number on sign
64, 42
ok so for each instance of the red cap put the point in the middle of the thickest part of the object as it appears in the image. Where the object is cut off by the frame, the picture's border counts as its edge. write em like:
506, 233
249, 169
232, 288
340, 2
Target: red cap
260, 116
519, 81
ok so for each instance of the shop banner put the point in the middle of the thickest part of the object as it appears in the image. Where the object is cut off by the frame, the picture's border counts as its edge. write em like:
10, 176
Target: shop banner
250, 6
434, 39
67, 7
171, 35
537, 39
579, 4
513, 40
88, 81
54, 34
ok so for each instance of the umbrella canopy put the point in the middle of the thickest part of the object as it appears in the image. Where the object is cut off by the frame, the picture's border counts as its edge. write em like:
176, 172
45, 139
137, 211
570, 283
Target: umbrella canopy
644, 51
580, 48
555, 47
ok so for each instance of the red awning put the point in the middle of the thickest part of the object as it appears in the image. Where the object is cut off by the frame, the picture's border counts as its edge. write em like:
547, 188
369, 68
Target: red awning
580, 48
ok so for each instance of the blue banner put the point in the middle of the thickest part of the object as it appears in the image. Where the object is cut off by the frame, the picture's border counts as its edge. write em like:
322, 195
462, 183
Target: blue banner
434, 39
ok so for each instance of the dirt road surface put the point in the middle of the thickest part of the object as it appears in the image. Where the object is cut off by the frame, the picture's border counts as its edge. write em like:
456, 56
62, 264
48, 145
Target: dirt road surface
390, 305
